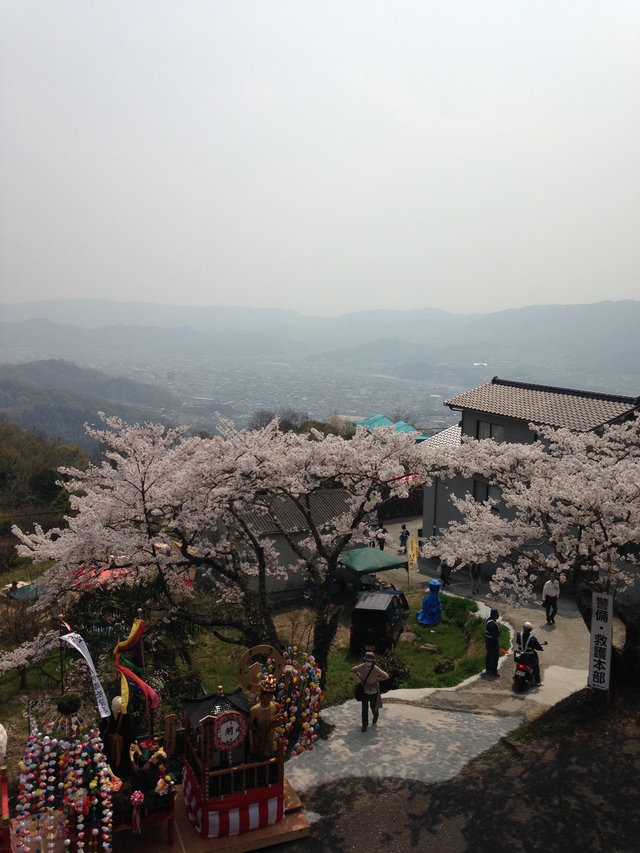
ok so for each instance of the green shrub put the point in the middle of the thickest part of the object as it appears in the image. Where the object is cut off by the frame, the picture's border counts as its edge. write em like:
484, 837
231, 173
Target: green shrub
396, 669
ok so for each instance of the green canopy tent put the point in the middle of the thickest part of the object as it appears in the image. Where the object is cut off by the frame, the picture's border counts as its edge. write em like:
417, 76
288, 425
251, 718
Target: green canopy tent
370, 561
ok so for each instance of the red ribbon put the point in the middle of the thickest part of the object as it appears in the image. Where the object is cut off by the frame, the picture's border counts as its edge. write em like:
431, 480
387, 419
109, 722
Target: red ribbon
127, 675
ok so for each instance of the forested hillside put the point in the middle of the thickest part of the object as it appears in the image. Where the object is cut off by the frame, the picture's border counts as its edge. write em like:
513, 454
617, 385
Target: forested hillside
57, 398
28, 482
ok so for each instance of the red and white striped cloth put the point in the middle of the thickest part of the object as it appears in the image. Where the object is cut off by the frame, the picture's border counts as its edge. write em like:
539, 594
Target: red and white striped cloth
233, 814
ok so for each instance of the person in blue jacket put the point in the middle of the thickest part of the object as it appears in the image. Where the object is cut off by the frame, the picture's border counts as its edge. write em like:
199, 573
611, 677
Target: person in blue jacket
491, 641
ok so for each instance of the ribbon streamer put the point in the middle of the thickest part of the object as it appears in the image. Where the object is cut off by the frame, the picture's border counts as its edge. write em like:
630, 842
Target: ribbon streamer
79, 645
127, 675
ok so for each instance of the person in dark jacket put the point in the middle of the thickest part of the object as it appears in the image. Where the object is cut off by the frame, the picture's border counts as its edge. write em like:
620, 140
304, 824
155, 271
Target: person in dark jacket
404, 538
445, 572
381, 537
529, 647
491, 641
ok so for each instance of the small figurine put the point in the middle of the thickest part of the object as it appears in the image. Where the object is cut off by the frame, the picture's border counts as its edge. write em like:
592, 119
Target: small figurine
263, 721
146, 759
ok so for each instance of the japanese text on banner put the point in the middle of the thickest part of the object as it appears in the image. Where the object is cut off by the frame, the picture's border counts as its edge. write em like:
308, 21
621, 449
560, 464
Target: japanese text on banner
601, 638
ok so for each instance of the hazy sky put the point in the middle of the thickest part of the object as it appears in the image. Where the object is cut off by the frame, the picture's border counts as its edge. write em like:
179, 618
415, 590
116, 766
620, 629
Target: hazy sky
322, 156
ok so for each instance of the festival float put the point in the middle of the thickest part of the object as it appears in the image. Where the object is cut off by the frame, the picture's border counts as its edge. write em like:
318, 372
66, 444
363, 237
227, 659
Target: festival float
81, 781
235, 747
69, 795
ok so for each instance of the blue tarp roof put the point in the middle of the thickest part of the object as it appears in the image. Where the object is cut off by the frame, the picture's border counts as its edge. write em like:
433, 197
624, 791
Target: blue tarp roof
364, 561
382, 421
402, 426
375, 421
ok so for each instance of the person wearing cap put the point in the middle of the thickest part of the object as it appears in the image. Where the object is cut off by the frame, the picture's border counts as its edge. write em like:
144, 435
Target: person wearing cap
529, 647
492, 643
370, 676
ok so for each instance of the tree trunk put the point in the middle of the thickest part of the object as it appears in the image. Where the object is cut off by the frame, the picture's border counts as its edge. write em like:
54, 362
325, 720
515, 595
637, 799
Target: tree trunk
325, 624
583, 602
260, 628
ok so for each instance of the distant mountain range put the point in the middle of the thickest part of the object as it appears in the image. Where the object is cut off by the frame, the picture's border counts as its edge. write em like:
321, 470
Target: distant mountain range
601, 336
60, 359
603, 333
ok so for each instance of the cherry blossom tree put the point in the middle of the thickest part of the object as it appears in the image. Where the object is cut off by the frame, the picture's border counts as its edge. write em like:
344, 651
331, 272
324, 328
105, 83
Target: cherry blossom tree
275, 468
570, 503
138, 522
163, 504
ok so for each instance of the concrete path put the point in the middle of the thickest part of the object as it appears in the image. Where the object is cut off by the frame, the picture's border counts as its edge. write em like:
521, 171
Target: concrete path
430, 734
409, 742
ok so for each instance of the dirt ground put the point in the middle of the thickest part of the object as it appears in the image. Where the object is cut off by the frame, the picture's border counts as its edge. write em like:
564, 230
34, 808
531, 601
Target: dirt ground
575, 783
295, 626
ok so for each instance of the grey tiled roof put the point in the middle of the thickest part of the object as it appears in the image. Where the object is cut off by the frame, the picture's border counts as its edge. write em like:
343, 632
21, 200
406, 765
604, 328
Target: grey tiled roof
543, 404
325, 504
450, 437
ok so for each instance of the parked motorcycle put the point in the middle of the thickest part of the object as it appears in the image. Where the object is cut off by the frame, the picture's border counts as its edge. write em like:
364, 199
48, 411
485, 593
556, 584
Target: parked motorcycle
523, 677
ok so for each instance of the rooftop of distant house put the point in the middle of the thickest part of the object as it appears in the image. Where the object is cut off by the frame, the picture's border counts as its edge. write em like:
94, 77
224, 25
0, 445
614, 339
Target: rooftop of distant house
545, 404
285, 515
450, 437
379, 420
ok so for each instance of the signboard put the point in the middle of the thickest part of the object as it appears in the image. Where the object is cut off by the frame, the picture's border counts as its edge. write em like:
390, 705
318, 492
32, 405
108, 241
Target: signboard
230, 731
170, 733
601, 638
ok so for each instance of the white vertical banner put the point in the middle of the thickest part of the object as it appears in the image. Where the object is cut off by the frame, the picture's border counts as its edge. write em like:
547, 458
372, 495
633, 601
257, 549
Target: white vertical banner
601, 639
79, 644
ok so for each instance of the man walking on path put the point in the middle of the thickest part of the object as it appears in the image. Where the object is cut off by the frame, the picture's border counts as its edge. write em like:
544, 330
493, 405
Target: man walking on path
370, 675
550, 595
491, 641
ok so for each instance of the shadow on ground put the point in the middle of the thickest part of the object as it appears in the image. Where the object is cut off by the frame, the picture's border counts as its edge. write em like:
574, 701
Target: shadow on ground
575, 784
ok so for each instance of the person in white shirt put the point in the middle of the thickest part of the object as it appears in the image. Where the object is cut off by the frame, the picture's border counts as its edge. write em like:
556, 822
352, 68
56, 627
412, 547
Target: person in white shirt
550, 593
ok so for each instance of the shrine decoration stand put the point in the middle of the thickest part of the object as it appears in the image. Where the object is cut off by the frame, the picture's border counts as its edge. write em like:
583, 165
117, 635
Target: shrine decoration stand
235, 792
64, 797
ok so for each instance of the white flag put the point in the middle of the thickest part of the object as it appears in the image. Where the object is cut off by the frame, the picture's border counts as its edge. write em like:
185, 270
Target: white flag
79, 644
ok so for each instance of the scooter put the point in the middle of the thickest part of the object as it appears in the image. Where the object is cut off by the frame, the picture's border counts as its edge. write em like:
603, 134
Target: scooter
523, 676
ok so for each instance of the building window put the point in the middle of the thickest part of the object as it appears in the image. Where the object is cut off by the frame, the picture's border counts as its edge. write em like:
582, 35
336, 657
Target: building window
484, 491
485, 429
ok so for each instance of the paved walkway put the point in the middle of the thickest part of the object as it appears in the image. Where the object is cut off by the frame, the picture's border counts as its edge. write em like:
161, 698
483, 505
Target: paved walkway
430, 734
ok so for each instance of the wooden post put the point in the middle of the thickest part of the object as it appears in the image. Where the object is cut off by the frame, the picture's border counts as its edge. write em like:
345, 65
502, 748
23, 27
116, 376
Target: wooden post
170, 732
60, 622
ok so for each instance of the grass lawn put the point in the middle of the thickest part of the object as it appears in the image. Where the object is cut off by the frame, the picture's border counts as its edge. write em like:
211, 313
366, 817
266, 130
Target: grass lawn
459, 652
